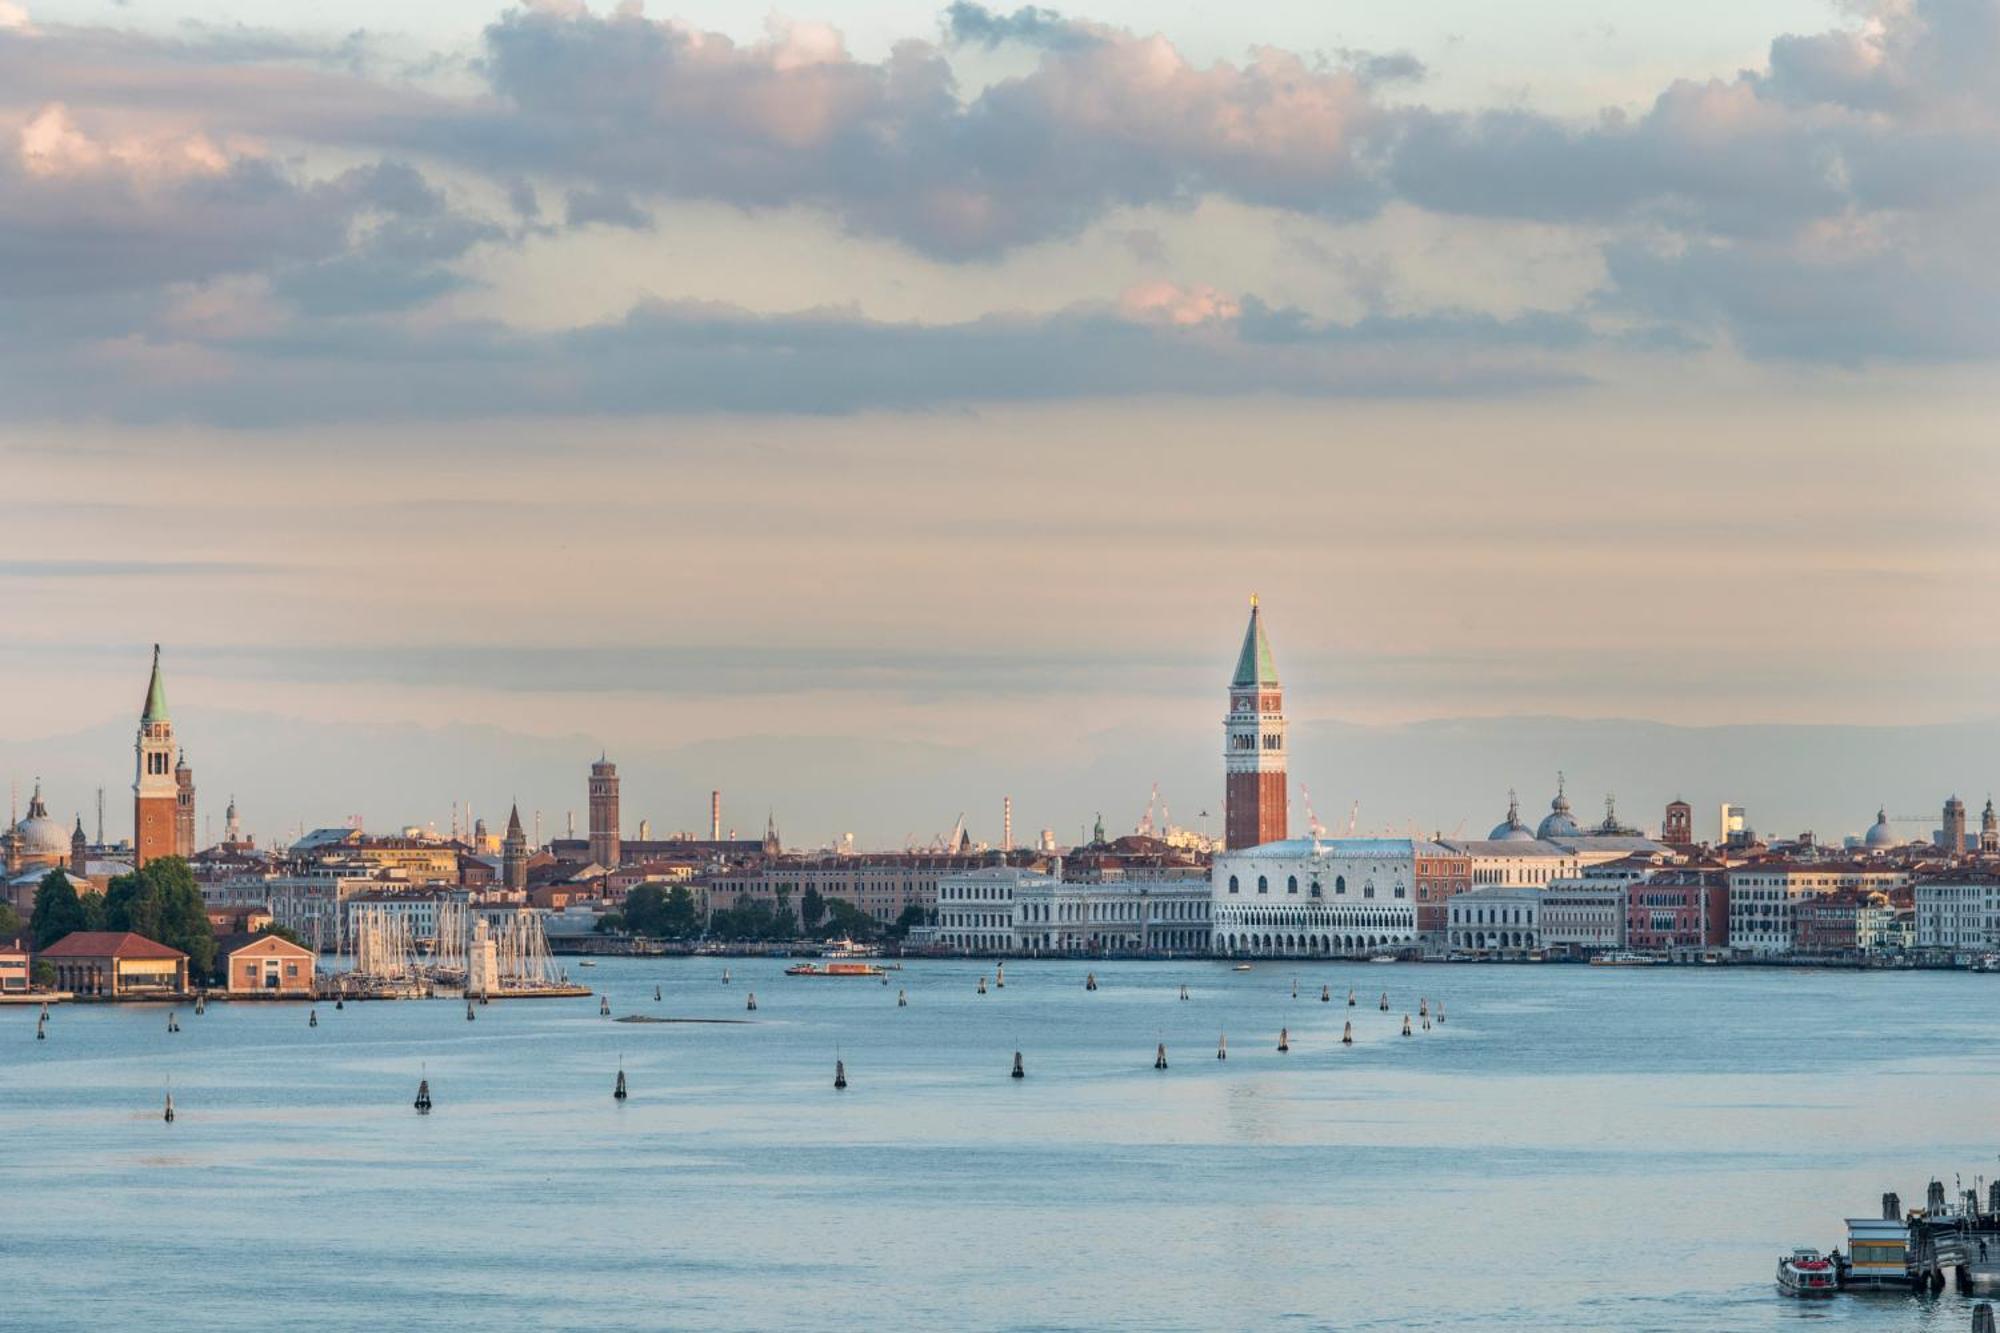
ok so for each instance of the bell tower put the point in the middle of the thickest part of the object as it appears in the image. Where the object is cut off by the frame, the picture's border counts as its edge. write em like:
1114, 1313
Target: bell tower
155, 790
1253, 753
605, 848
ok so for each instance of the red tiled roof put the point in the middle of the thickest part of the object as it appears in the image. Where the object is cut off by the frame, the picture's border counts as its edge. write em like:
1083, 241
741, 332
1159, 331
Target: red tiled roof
108, 944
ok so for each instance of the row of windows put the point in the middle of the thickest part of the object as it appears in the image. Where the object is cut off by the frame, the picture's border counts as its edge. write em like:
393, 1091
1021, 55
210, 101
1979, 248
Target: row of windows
1292, 886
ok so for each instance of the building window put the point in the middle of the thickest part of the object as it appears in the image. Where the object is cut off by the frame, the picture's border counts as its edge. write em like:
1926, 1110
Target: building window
1233, 887
1263, 884
1292, 884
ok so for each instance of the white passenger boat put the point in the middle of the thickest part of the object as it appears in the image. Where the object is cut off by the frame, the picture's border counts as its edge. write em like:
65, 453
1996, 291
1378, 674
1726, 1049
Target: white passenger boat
1808, 1273
1622, 960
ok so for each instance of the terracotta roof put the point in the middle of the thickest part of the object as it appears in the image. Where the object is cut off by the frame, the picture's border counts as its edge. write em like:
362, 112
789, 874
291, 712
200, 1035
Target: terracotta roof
108, 944
227, 945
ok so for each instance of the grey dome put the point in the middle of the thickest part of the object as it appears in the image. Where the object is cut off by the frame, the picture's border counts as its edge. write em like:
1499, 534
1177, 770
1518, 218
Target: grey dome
1558, 823
1879, 833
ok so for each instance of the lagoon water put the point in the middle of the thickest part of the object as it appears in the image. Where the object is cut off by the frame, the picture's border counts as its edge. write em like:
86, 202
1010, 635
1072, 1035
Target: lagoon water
1573, 1148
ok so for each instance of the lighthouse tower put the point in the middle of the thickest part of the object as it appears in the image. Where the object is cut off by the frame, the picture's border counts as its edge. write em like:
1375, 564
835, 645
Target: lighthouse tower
1253, 754
156, 792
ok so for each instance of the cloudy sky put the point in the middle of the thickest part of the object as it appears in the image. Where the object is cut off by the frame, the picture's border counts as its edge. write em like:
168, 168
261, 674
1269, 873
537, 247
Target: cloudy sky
828, 401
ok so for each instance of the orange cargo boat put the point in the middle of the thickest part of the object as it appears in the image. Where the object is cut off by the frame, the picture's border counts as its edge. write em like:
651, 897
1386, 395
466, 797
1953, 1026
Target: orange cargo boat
834, 970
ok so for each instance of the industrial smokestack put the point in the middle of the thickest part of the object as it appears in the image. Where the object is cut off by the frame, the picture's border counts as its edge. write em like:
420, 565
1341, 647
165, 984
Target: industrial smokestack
715, 816
1006, 823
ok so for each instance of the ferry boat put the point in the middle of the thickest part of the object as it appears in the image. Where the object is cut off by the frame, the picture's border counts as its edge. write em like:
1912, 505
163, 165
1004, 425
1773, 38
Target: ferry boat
849, 949
1622, 960
1808, 1273
833, 970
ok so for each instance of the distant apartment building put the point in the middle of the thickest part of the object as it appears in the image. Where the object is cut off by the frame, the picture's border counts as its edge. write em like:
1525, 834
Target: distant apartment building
1677, 910
975, 909
1764, 898
1021, 912
1495, 920
883, 885
1959, 913
1828, 924
1146, 916
1586, 915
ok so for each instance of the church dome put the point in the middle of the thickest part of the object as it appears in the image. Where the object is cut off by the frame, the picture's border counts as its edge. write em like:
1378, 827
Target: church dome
38, 837
1879, 833
1511, 829
1559, 822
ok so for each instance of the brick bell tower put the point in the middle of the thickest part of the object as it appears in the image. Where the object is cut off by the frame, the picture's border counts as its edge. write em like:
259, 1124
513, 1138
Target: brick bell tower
156, 793
605, 844
1253, 754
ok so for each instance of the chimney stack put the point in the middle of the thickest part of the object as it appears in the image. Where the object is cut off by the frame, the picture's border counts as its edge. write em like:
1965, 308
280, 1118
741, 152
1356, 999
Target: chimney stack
715, 816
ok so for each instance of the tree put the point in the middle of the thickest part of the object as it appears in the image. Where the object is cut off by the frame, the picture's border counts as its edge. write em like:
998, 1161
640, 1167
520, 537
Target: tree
10, 921
285, 933
912, 916
812, 909
42, 976
58, 911
784, 922
844, 918
645, 907
611, 923
162, 903
679, 918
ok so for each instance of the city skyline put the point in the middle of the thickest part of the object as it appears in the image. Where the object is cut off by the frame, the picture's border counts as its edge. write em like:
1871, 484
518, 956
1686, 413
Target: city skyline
1410, 770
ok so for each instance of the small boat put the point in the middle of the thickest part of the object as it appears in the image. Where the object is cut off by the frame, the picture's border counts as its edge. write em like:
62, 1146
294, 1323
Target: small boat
835, 970
1240, 967
845, 948
1622, 960
1808, 1273
585, 962
1383, 958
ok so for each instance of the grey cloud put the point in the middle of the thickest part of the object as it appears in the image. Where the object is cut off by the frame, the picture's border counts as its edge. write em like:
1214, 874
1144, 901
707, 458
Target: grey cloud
1031, 25
692, 357
611, 208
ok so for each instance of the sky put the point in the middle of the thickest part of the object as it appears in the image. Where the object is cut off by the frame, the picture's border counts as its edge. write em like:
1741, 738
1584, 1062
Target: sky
877, 407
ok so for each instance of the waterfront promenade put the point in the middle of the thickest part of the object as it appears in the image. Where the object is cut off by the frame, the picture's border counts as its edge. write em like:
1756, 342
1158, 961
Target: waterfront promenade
1574, 1148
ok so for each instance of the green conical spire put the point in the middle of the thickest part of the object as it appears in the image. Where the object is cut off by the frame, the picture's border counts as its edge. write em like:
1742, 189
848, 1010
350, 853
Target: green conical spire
1254, 665
156, 694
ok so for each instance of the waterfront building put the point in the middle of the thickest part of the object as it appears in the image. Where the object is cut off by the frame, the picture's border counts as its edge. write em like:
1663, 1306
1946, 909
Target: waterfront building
975, 910
1764, 897
264, 965
1586, 914
16, 966
882, 884
604, 842
1314, 897
116, 963
1495, 921
1441, 874
1831, 923
1958, 913
1680, 909
1153, 917
1253, 751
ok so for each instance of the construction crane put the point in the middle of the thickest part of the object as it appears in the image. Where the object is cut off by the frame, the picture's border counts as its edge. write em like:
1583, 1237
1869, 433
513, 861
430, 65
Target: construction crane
1146, 825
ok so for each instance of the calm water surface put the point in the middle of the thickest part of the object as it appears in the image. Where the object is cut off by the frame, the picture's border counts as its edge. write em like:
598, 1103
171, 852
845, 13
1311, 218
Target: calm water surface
1574, 1148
